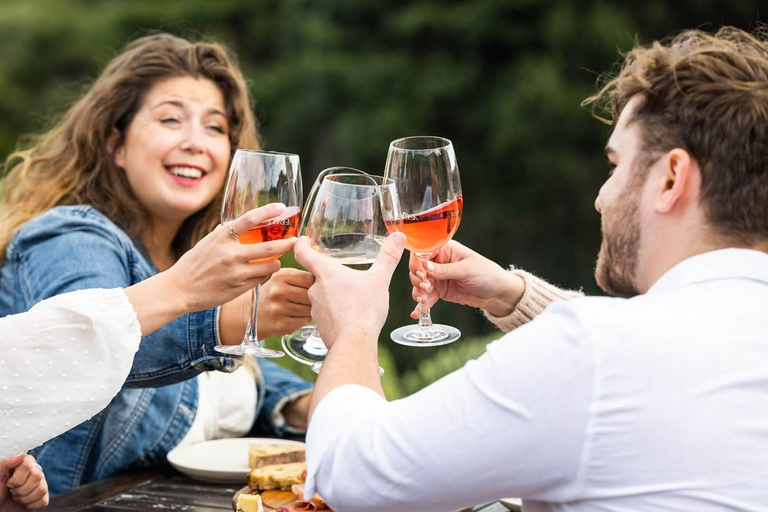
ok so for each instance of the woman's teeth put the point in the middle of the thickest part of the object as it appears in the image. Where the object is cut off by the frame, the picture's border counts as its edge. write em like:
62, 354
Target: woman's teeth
186, 172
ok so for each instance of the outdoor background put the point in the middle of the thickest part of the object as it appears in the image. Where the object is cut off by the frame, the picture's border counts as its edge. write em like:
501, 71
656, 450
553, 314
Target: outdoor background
336, 80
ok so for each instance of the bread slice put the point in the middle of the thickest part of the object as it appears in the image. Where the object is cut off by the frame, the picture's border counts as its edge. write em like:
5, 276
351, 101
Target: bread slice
277, 476
249, 503
260, 455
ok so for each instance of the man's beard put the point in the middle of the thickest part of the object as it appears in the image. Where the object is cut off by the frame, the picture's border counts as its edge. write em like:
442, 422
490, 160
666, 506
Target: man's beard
617, 262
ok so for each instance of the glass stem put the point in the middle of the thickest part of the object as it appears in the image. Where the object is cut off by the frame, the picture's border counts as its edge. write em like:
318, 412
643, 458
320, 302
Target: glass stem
251, 335
314, 344
425, 320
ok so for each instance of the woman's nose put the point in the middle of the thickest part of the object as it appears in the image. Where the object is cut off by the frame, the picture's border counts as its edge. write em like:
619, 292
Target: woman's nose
192, 141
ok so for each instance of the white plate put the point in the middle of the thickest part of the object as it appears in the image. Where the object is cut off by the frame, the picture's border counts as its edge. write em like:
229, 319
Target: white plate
221, 460
512, 503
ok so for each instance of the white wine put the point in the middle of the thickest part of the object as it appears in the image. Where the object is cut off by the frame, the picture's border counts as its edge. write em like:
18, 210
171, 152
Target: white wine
356, 263
354, 250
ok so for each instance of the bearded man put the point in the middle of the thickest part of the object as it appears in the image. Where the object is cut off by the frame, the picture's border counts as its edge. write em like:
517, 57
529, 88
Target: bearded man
656, 399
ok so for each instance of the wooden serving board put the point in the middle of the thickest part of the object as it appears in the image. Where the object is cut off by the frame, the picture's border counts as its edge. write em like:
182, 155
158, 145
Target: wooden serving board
271, 500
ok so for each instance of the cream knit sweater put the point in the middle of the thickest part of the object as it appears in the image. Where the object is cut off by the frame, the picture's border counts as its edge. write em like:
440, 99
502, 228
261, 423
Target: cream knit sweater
537, 296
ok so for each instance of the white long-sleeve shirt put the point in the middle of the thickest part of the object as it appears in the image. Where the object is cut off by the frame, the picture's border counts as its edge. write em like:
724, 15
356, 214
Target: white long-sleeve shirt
659, 402
61, 362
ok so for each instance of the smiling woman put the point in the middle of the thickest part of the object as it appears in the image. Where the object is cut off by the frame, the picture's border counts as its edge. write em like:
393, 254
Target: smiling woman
175, 155
119, 190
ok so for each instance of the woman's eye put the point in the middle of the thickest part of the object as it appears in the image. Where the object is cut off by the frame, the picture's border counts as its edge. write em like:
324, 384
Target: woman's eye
169, 120
217, 128
611, 168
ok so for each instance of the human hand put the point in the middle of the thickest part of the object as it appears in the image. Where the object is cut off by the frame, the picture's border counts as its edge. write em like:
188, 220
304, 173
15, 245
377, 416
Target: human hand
346, 300
219, 269
23, 479
284, 303
458, 274
296, 412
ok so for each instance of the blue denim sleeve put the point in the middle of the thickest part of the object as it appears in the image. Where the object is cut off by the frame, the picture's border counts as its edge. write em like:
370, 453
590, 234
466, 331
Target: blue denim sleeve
72, 248
280, 386
178, 351
57, 253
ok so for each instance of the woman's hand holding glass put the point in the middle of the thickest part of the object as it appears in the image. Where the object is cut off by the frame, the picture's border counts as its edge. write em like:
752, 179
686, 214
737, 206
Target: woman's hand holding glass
211, 275
458, 274
215, 272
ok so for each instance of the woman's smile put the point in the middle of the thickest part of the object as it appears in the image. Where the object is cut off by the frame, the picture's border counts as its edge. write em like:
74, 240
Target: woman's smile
186, 175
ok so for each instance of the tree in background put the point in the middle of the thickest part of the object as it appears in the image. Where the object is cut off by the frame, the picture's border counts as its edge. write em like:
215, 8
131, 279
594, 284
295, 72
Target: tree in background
336, 80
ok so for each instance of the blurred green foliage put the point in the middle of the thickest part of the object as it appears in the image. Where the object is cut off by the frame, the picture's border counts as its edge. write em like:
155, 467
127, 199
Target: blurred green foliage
336, 80
450, 359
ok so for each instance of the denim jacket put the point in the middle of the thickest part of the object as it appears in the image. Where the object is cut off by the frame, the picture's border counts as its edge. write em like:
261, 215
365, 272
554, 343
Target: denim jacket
74, 247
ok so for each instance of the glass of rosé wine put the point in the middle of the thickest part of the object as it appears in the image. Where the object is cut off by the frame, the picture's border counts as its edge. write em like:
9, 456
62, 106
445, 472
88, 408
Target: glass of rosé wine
258, 178
427, 181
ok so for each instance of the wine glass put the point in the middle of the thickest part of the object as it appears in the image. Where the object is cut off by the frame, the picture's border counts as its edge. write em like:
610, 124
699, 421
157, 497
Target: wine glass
257, 178
344, 221
304, 344
427, 180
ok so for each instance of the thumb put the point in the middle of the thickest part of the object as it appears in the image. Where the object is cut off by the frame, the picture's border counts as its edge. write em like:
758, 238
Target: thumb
389, 255
307, 257
9, 464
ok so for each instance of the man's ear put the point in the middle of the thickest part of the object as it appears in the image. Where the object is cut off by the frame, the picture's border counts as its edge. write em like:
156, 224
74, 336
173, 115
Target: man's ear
112, 147
680, 179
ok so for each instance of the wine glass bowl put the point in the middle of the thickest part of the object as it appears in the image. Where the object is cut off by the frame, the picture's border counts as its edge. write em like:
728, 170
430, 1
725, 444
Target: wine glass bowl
257, 178
301, 345
344, 222
428, 231
426, 177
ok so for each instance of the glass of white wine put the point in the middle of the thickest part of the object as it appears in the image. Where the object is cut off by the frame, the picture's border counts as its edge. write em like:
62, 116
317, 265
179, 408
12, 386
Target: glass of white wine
345, 222
298, 344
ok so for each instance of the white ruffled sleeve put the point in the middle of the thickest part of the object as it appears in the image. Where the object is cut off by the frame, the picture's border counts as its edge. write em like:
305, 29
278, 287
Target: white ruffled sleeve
62, 362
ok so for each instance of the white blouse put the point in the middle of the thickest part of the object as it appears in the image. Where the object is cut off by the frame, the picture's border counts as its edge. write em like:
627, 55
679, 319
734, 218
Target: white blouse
62, 362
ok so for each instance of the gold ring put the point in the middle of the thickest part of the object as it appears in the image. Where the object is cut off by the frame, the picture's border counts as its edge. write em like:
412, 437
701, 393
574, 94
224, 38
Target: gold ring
232, 230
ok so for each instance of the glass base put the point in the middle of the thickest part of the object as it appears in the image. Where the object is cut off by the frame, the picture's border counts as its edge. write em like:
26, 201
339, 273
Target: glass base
306, 348
303, 347
415, 336
248, 349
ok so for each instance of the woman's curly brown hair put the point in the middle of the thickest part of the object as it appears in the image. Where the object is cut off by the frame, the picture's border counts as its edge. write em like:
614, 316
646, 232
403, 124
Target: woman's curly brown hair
73, 163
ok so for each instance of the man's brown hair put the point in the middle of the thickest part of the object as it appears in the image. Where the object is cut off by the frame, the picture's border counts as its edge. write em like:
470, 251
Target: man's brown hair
707, 94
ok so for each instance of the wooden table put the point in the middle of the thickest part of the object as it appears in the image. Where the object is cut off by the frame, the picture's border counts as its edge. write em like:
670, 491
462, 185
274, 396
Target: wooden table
162, 489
